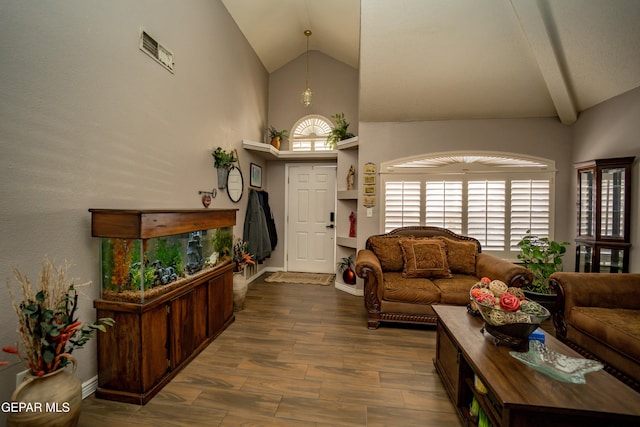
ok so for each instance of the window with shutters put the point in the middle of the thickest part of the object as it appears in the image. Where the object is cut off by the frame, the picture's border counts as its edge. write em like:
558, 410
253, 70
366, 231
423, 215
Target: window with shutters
494, 197
310, 134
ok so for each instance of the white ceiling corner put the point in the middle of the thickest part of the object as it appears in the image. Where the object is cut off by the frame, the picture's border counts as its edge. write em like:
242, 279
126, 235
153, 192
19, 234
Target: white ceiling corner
459, 59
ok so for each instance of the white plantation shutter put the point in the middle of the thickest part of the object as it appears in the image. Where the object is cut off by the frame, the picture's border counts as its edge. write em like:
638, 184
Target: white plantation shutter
301, 145
530, 208
443, 206
486, 213
310, 134
401, 204
493, 198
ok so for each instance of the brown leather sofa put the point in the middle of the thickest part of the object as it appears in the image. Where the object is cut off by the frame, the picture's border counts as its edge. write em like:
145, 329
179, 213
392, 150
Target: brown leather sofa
405, 274
599, 316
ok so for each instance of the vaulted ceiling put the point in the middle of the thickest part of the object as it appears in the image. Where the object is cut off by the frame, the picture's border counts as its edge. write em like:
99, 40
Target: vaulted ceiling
459, 59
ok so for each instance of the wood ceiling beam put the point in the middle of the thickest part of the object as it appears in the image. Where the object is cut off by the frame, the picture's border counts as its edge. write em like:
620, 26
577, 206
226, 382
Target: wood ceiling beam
539, 29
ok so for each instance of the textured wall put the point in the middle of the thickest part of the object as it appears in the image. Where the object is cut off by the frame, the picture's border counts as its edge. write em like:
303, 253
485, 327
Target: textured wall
334, 85
534, 137
611, 129
335, 90
87, 120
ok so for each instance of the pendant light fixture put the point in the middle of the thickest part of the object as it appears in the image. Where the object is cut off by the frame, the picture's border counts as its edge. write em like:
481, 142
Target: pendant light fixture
306, 95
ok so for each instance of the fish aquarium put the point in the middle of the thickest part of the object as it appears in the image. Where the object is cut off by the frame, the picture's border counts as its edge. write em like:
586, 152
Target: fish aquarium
145, 254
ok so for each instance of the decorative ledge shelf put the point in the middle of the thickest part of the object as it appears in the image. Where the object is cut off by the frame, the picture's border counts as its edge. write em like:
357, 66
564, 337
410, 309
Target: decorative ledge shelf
348, 144
347, 242
269, 152
350, 289
348, 195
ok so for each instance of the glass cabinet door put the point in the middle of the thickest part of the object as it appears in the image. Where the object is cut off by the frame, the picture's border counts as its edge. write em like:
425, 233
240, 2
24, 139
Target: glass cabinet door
612, 199
584, 258
611, 260
586, 214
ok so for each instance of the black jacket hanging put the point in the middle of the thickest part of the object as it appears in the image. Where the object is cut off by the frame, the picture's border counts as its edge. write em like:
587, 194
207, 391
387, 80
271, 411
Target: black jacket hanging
255, 229
263, 196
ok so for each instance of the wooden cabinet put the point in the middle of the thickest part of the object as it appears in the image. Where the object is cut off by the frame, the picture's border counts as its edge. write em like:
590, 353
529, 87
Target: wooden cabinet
150, 343
603, 215
187, 324
447, 362
220, 301
157, 334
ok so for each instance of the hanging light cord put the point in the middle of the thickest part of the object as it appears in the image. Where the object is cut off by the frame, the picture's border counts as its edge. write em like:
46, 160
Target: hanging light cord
308, 34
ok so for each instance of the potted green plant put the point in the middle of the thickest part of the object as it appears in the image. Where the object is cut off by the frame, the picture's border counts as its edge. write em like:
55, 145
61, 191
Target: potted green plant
344, 266
543, 257
339, 132
276, 136
49, 331
223, 160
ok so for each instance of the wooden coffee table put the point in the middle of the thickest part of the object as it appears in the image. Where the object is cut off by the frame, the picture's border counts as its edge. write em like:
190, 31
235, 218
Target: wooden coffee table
518, 395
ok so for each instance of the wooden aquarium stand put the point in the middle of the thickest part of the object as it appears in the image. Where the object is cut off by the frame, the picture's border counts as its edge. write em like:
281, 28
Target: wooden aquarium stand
153, 340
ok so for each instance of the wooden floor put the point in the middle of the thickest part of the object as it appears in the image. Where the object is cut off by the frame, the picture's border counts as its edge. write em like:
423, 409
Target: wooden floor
298, 355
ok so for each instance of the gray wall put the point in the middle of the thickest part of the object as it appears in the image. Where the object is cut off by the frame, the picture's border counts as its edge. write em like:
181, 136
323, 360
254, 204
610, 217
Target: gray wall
335, 90
334, 85
611, 129
87, 120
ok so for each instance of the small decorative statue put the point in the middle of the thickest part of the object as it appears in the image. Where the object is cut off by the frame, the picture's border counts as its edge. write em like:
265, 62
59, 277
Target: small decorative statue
350, 177
352, 228
195, 261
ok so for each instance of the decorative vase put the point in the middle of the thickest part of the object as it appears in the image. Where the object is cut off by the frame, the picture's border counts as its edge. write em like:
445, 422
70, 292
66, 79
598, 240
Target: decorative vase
54, 400
222, 177
239, 291
275, 141
348, 276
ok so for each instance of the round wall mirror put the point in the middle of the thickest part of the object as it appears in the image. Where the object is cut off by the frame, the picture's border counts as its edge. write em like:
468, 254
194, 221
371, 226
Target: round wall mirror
235, 184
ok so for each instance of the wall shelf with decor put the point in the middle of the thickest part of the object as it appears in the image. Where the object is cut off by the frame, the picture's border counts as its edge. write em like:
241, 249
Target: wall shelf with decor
269, 152
347, 203
347, 242
348, 195
348, 144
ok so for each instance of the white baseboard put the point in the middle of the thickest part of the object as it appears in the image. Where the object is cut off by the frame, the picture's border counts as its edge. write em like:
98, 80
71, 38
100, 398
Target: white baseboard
350, 289
251, 273
89, 387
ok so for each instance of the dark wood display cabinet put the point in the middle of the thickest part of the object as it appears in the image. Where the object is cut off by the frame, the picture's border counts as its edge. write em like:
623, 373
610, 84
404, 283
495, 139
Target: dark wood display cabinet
160, 327
604, 215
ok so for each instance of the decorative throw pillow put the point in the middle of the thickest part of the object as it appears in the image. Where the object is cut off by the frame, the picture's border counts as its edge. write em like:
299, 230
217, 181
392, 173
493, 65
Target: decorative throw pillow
461, 255
388, 251
424, 258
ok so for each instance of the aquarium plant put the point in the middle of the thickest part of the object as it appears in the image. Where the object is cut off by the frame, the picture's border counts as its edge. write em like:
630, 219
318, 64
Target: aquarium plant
223, 242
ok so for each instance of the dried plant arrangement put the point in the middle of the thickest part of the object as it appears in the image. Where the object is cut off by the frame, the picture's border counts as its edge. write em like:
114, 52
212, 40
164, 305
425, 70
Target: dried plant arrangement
49, 328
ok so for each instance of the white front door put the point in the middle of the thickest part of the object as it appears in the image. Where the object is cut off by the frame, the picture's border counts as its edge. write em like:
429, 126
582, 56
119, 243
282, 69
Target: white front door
311, 206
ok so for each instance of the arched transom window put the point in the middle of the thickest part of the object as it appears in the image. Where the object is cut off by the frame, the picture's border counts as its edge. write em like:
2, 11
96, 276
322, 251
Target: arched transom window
310, 134
494, 197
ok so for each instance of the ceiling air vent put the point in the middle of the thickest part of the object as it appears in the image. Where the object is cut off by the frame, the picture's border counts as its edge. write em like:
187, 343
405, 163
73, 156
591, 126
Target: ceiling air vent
155, 50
